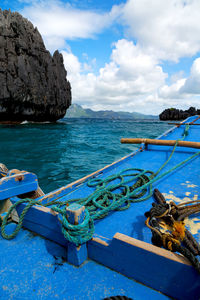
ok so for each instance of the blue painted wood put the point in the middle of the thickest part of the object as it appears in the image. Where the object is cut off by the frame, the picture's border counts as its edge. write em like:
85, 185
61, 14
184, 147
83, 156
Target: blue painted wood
75, 215
175, 279
31, 269
17, 184
42, 221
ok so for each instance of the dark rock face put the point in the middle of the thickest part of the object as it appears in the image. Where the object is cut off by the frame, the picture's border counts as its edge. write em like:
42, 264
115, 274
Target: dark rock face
33, 84
176, 114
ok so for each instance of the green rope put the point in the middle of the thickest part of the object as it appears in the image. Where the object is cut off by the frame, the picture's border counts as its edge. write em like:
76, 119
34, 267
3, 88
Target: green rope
112, 193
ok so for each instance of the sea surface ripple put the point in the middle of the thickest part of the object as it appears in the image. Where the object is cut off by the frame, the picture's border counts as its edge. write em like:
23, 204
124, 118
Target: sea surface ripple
65, 151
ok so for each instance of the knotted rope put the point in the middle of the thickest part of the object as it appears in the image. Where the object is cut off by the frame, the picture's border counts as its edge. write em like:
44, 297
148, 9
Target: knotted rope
176, 238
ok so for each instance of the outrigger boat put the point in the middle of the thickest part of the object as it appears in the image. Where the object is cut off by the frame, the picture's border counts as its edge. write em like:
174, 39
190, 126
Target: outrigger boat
89, 239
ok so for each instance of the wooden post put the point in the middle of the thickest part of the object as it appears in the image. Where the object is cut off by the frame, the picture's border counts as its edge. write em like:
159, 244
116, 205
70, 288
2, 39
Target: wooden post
75, 215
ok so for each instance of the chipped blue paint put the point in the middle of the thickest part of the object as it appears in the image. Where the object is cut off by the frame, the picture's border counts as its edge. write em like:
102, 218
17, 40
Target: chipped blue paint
32, 268
11, 185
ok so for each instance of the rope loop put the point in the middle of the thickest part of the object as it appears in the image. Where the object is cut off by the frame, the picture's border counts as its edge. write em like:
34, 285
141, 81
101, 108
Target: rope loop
76, 234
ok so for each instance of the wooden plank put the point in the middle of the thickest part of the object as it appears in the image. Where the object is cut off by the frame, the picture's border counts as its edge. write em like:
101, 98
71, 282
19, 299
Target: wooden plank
17, 184
75, 215
155, 267
151, 248
43, 221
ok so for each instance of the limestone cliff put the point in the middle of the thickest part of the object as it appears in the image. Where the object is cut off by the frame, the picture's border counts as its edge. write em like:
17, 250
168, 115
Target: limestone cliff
33, 84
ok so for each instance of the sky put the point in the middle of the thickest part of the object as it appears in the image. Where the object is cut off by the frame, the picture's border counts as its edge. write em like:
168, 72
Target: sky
135, 55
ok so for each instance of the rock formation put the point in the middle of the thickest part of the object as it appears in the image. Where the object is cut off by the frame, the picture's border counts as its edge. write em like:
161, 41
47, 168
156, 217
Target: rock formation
33, 84
176, 114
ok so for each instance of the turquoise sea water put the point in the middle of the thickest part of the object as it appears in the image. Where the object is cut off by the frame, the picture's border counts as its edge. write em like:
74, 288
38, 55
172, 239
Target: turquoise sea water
65, 151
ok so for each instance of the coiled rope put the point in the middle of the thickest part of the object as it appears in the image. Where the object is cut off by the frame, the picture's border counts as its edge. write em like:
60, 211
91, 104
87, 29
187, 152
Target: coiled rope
168, 229
112, 193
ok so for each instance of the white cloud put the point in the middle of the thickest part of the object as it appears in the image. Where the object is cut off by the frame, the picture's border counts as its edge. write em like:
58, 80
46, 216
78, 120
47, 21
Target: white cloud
192, 84
167, 29
132, 81
72, 64
184, 88
172, 91
60, 22
122, 84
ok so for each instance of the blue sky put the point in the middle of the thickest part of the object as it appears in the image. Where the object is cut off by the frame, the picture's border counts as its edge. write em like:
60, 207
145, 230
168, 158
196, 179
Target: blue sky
135, 55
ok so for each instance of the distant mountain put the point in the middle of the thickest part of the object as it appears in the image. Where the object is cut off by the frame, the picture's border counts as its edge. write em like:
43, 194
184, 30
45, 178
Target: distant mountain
77, 111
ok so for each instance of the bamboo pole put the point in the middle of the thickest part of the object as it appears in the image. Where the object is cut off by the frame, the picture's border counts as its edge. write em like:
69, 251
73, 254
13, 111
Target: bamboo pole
160, 142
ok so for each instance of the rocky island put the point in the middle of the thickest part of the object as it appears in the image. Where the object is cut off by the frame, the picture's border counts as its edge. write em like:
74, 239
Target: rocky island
33, 84
174, 114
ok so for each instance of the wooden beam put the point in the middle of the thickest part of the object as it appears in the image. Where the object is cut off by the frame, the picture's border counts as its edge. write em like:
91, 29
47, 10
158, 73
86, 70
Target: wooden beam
17, 184
158, 268
160, 142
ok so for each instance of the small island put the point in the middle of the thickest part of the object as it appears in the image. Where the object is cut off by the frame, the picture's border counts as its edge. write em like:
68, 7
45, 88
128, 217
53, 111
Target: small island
174, 114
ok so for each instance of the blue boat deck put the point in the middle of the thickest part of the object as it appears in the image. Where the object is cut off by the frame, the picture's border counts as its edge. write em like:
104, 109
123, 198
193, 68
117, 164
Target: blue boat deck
91, 280
30, 270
